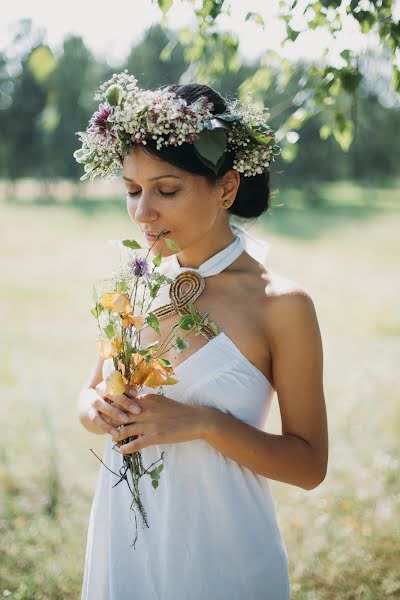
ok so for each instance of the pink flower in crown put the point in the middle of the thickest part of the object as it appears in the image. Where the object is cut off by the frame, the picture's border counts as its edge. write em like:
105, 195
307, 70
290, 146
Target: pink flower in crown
153, 113
99, 121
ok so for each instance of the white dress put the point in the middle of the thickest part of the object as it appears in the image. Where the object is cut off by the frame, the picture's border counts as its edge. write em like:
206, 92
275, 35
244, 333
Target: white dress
213, 532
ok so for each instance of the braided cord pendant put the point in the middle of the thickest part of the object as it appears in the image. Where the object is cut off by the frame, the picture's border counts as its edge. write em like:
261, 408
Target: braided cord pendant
186, 288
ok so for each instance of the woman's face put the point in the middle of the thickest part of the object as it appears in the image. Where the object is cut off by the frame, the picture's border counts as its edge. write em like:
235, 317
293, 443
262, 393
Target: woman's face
164, 197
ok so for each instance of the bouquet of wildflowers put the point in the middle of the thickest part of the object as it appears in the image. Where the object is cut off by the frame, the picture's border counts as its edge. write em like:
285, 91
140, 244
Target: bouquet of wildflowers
122, 308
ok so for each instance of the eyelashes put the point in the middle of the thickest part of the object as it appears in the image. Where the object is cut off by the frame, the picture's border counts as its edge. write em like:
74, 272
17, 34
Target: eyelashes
134, 194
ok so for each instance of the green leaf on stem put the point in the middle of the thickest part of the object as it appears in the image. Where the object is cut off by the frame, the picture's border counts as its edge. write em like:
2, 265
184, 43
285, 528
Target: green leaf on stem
181, 344
154, 289
109, 330
192, 310
154, 473
171, 244
165, 5
153, 322
96, 310
165, 362
121, 286
256, 18
133, 244
157, 260
186, 322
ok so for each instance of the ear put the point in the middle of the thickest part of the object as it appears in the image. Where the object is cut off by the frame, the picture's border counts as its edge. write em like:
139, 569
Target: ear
229, 185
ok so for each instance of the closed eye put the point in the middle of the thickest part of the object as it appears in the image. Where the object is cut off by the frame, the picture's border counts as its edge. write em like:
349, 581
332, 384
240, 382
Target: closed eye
134, 194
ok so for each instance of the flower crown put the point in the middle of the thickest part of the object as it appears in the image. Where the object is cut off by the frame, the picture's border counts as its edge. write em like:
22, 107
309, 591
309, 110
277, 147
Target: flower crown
128, 115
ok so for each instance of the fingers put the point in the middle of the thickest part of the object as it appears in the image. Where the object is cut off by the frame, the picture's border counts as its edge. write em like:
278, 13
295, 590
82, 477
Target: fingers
95, 417
111, 421
128, 431
142, 442
127, 403
101, 388
111, 410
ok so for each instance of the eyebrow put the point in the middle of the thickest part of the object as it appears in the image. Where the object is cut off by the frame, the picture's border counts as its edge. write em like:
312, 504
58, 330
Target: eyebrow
153, 178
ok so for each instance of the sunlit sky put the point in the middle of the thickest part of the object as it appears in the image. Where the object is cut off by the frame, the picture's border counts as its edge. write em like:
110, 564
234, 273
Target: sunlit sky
110, 29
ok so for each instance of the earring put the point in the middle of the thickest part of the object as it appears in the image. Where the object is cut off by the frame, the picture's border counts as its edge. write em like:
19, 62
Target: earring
226, 203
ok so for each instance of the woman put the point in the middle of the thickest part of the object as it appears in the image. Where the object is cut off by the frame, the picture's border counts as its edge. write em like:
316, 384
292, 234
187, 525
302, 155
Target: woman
213, 530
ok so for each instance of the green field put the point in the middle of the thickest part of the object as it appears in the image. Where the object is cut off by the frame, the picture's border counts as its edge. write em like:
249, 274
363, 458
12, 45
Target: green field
343, 245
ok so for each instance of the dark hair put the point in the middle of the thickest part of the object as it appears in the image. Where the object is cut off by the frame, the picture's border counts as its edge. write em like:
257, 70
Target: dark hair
253, 195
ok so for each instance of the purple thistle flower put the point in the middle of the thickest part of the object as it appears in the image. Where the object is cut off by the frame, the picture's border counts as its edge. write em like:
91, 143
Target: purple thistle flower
99, 121
140, 267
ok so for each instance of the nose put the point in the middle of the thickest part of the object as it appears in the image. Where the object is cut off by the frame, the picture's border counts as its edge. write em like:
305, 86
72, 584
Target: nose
141, 209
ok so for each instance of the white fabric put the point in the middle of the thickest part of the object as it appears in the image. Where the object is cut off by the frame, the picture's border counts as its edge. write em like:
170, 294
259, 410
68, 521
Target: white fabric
215, 264
258, 249
213, 531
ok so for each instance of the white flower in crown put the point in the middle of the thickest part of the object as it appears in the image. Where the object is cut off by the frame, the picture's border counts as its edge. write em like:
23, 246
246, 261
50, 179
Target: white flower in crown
128, 115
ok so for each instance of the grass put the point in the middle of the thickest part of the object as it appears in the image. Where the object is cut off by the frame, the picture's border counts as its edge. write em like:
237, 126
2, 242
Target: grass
342, 537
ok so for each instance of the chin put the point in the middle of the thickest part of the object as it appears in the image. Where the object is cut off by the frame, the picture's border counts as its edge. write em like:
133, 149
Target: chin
159, 248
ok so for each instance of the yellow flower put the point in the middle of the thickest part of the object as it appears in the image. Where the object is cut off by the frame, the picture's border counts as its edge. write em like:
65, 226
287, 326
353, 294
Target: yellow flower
116, 301
129, 319
160, 375
115, 383
109, 348
152, 375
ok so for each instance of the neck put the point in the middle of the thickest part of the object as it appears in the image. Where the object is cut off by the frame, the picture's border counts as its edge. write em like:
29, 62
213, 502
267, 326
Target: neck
210, 244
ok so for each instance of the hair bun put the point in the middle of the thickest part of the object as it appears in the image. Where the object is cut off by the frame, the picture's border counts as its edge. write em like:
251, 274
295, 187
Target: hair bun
253, 196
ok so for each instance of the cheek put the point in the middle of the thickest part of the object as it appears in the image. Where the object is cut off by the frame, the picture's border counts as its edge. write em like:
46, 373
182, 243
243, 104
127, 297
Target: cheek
199, 209
131, 204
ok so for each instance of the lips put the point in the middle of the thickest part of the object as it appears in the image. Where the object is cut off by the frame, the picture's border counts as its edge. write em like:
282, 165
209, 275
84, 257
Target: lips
155, 234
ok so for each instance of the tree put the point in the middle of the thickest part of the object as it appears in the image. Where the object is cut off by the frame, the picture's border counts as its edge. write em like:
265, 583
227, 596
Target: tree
23, 99
45, 98
326, 88
71, 103
24, 150
157, 60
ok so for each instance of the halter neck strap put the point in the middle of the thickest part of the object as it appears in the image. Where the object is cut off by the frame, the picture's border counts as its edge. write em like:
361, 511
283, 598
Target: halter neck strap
215, 264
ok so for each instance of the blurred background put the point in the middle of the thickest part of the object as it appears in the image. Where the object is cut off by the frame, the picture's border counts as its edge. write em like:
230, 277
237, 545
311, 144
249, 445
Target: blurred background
329, 73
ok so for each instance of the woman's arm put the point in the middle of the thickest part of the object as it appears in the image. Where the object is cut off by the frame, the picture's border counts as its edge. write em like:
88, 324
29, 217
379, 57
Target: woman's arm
299, 456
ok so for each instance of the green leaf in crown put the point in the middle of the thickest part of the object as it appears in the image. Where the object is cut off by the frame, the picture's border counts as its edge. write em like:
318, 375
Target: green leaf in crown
211, 145
259, 133
261, 138
216, 123
114, 94
229, 117
210, 165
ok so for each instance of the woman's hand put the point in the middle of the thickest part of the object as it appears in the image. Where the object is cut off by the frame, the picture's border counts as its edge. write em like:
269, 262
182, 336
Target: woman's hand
105, 413
162, 420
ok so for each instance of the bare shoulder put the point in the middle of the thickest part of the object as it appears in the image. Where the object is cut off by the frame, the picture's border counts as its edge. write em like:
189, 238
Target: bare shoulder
278, 287
288, 306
